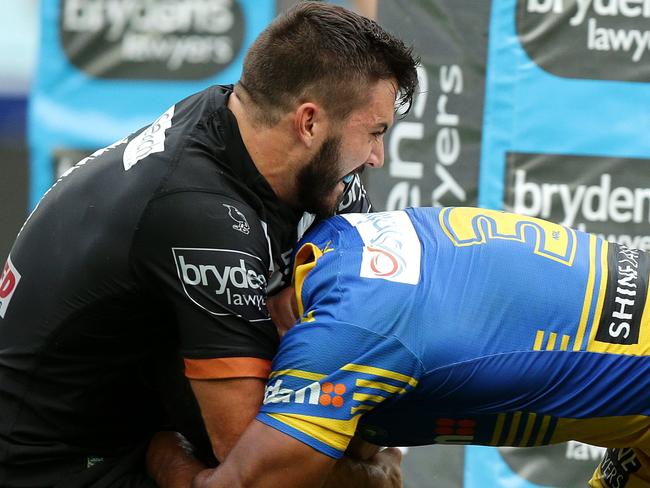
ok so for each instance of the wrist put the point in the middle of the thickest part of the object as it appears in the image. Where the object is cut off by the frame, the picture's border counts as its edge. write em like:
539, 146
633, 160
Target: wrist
170, 462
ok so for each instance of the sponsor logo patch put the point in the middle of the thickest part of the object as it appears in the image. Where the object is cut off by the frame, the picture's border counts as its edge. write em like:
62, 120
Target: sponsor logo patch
93, 461
625, 296
149, 141
326, 394
9, 280
392, 248
617, 466
223, 281
240, 219
454, 431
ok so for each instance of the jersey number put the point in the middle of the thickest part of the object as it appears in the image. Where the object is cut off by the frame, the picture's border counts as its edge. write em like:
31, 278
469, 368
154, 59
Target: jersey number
474, 226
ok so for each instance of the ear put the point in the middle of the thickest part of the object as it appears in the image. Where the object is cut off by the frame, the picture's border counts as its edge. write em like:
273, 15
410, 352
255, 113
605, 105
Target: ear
309, 123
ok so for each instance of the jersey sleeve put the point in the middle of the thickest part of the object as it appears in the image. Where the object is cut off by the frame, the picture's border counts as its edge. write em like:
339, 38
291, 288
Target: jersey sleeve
207, 256
326, 375
330, 369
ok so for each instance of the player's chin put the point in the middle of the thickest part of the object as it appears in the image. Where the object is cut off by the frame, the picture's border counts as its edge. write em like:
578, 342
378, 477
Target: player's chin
329, 203
337, 195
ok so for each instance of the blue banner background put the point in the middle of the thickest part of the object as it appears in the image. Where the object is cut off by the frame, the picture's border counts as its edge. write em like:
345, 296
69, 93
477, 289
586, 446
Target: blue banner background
530, 110
69, 109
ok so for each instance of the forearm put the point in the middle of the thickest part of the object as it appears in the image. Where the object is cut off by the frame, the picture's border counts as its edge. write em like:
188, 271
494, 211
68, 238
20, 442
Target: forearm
382, 471
228, 406
221, 477
267, 458
246, 471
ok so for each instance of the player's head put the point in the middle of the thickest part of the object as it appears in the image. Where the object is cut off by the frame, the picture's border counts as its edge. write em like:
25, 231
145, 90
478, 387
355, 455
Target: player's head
335, 69
326, 54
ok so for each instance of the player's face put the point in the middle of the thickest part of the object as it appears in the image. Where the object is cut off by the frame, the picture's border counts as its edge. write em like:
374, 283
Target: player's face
319, 179
355, 145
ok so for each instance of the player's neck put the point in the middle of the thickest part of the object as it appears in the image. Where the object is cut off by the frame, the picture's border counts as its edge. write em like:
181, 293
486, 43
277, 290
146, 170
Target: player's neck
277, 155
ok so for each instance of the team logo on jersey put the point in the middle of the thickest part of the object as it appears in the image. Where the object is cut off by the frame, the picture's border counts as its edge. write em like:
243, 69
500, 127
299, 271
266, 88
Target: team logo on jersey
149, 141
625, 296
240, 219
223, 281
392, 248
9, 280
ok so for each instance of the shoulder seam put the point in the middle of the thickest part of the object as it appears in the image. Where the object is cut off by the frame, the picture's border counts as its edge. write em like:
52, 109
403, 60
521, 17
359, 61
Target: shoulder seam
232, 197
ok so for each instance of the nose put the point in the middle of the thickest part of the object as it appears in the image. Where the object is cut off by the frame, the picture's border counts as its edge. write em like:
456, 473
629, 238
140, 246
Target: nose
376, 157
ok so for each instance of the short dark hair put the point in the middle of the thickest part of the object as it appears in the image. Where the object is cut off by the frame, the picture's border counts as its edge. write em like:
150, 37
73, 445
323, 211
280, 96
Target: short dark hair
326, 53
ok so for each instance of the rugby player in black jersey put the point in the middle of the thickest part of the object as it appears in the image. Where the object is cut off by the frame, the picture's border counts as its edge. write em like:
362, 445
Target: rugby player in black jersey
165, 245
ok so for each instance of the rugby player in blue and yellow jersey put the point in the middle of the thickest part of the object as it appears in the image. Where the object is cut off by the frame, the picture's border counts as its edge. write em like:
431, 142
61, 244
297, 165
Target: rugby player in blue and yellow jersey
455, 326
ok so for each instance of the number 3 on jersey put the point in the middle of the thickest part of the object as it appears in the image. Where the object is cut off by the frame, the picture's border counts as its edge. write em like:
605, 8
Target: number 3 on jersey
474, 226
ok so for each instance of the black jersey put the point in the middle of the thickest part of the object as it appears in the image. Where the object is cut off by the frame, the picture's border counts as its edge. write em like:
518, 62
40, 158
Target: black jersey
165, 239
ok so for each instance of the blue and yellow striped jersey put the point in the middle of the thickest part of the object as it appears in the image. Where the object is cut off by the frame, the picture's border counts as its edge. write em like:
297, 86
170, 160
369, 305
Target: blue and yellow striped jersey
463, 326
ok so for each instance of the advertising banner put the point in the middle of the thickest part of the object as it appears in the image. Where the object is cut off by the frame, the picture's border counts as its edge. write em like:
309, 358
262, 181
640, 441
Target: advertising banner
109, 67
432, 154
608, 196
566, 119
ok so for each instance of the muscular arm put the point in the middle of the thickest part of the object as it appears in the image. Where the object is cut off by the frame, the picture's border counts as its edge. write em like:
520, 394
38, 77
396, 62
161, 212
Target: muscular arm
267, 458
263, 456
228, 406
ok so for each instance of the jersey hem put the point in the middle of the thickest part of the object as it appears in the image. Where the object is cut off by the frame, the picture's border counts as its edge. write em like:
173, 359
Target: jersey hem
222, 368
300, 436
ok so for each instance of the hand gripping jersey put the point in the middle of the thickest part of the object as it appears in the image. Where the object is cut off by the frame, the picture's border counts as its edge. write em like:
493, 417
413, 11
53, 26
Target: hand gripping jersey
463, 326
165, 240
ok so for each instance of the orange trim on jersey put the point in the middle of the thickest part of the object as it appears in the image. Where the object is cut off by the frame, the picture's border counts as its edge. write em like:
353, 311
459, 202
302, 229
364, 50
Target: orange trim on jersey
222, 368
